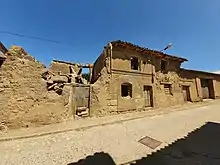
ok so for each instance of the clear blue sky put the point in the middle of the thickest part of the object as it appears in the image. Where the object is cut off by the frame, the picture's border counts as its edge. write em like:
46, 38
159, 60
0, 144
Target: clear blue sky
88, 25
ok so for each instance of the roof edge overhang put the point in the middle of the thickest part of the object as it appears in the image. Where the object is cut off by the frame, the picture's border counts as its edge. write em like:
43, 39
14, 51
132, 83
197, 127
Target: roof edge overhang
199, 71
4, 48
146, 50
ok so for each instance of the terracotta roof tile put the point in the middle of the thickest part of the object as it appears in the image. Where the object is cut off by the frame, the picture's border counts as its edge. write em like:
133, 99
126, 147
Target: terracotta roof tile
118, 42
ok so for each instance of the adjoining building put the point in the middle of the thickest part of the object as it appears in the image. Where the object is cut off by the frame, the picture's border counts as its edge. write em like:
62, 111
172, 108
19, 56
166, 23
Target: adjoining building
128, 77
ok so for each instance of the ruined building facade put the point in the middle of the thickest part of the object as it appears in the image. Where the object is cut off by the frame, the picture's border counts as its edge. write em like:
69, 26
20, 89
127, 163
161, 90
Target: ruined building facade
25, 100
128, 77
125, 77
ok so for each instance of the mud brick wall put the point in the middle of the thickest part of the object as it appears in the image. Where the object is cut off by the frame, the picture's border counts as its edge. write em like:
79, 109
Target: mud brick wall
24, 98
62, 67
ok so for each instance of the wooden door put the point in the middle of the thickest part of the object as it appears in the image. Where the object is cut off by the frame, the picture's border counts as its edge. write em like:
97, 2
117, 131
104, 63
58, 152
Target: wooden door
186, 93
148, 99
205, 88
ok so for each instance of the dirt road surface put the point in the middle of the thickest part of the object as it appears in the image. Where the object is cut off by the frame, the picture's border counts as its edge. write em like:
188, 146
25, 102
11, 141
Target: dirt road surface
119, 142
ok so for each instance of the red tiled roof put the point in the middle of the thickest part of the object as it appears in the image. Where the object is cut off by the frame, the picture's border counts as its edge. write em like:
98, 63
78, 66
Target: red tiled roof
147, 50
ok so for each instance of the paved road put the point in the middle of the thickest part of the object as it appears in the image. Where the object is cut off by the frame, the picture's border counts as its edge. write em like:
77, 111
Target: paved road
119, 142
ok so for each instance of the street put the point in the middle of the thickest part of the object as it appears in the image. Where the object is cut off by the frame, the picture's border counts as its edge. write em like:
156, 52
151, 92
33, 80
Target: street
120, 141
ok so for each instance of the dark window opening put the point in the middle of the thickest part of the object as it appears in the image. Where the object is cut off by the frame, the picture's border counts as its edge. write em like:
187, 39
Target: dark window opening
147, 61
207, 88
148, 96
167, 89
1, 62
126, 90
163, 65
134, 63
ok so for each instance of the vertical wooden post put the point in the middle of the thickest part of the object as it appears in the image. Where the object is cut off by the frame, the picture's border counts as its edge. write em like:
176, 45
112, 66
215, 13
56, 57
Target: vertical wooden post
213, 83
199, 88
90, 73
73, 101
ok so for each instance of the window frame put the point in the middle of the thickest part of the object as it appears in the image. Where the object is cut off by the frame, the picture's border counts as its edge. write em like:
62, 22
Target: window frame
167, 87
135, 66
163, 67
128, 90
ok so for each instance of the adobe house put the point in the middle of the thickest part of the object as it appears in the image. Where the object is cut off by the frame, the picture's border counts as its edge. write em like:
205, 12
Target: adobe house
125, 77
201, 85
128, 77
25, 100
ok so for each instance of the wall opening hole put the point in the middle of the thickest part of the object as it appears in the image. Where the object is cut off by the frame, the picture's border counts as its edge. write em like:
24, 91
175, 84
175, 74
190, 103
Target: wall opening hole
134, 63
126, 90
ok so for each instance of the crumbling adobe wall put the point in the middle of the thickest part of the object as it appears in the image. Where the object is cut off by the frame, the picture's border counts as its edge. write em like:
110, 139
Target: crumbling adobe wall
98, 66
106, 91
121, 60
25, 100
150, 66
176, 96
196, 76
194, 83
62, 67
217, 87
100, 95
169, 76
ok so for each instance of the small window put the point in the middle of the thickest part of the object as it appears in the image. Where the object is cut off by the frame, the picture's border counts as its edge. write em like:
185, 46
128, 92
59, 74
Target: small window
134, 63
147, 61
163, 65
126, 90
167, 89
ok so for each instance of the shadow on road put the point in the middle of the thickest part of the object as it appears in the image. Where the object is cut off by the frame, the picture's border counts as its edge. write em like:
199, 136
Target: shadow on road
200, 147
98, 158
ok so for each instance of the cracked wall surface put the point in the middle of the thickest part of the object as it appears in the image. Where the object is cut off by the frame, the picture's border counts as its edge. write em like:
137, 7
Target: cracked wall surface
113, 68
32, 95
61, 67
106, 94
25, 100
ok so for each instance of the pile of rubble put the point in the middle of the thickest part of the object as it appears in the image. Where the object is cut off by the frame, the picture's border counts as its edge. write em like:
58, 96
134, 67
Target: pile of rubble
63, 73
32, 95
56, 82
25, 100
